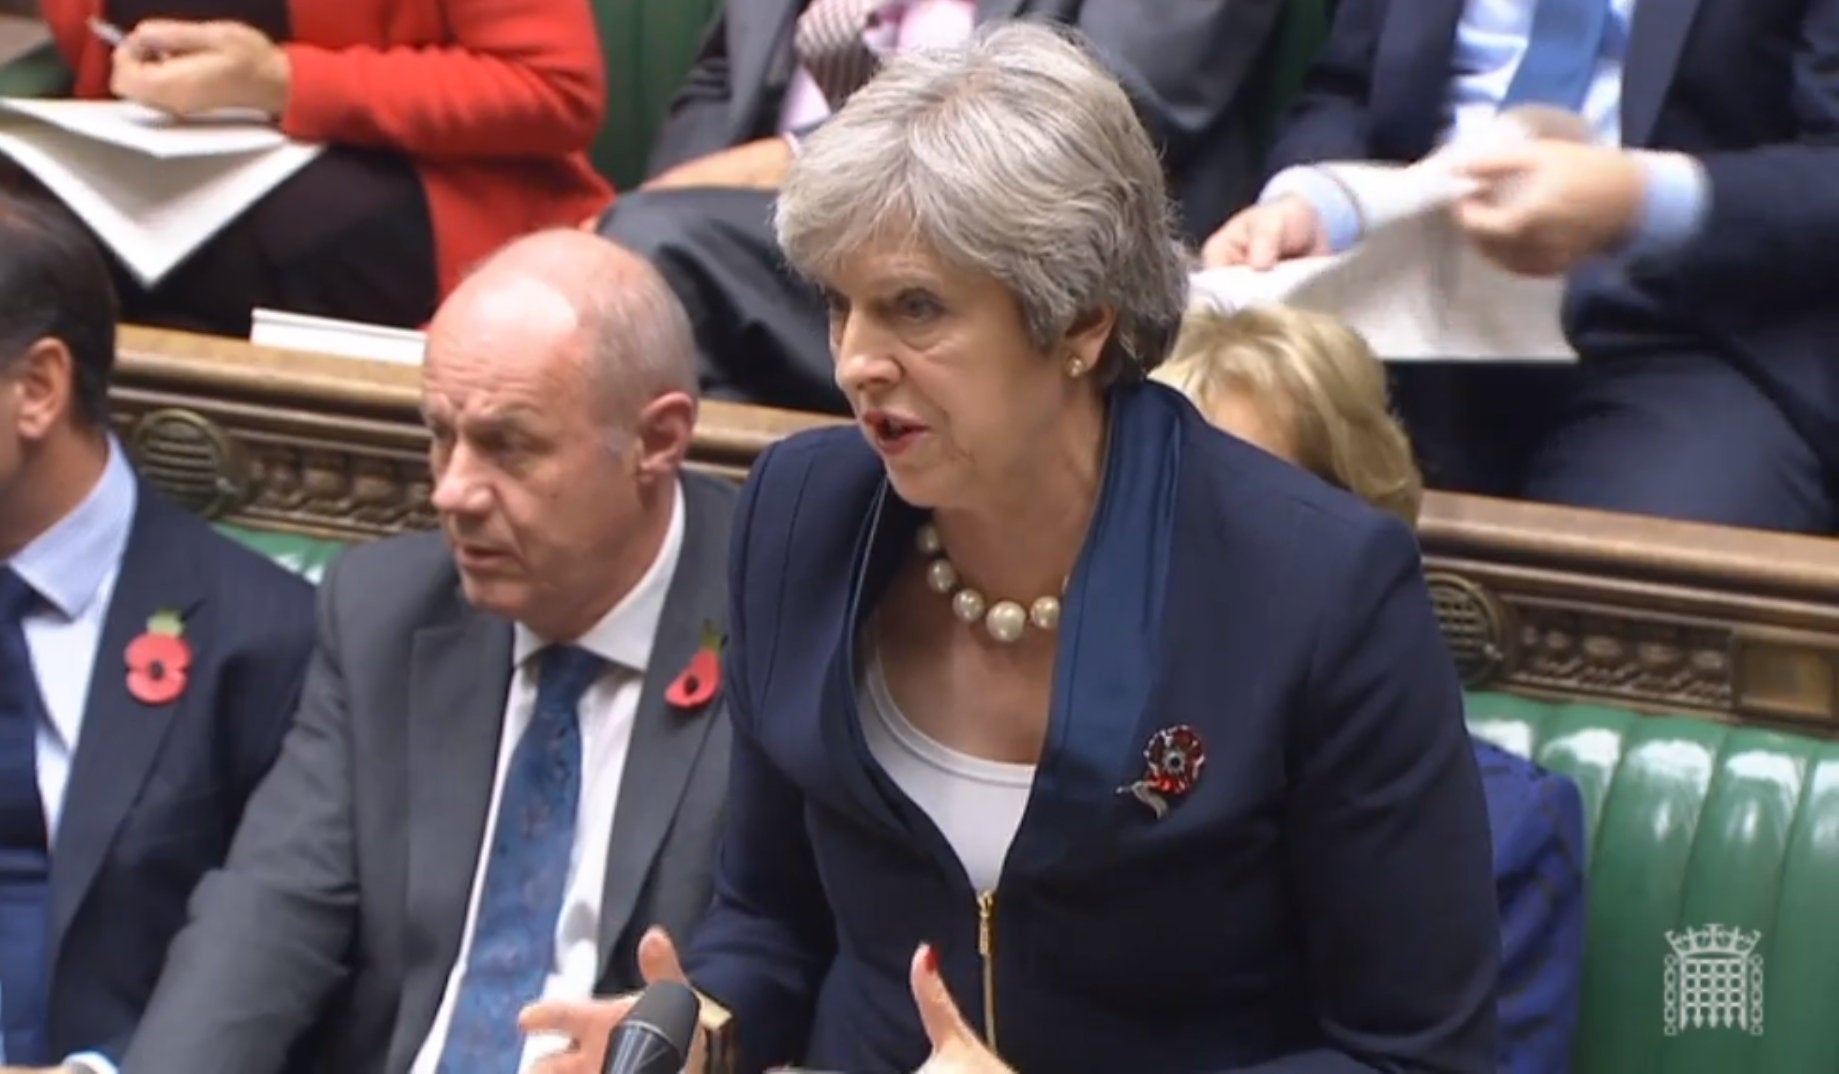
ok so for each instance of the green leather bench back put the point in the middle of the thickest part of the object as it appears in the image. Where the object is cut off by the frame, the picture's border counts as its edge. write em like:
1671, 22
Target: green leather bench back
1696, 824
305, 556
649, 46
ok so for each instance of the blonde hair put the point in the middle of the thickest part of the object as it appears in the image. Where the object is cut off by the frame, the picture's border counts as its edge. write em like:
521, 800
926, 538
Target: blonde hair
1318, 380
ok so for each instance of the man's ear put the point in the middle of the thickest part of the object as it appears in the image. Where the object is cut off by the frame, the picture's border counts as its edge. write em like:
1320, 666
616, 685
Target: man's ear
663, 433
43, 383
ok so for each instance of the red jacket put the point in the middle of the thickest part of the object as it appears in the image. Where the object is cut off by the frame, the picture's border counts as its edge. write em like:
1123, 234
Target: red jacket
495, 100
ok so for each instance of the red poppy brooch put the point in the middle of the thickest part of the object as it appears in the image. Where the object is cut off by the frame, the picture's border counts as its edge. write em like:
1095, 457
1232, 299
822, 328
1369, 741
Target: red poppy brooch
703, 677
159, 659
1173, 761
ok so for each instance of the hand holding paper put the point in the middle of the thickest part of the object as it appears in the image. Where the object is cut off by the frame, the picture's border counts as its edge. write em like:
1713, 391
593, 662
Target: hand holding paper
1544, 206
1264, 234
1415, 284
190, 68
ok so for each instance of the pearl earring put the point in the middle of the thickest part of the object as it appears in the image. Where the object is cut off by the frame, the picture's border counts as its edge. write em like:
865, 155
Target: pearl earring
1075, 367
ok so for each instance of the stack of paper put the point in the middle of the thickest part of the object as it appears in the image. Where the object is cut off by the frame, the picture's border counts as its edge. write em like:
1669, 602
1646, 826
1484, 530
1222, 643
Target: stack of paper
1413, 286
324, 335
153, 188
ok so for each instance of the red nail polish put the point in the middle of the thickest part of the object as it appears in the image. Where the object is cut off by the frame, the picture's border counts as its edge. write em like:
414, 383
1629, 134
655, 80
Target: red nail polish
929, 958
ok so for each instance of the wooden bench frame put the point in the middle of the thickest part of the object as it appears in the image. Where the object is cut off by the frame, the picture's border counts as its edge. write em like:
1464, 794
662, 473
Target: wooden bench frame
1544, 601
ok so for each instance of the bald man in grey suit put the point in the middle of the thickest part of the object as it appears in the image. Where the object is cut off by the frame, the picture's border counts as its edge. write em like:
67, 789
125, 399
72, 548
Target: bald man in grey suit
499, 776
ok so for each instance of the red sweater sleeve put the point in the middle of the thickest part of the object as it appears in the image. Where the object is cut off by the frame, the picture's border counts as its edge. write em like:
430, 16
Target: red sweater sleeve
82, 50
519, 78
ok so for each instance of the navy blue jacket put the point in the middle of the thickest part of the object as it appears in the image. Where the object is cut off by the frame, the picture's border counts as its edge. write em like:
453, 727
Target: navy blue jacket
1537, 820
1320, 901
156, 791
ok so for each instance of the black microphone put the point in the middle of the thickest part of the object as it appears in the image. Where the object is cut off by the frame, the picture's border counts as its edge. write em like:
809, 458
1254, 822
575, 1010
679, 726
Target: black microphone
655, 1037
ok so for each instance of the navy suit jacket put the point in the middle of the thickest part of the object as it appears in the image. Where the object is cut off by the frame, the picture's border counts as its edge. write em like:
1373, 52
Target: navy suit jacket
155, 791
1537, 820
1750, 88
1320, 901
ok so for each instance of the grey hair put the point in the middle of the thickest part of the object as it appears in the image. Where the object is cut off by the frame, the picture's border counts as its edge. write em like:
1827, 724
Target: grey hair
1016, 155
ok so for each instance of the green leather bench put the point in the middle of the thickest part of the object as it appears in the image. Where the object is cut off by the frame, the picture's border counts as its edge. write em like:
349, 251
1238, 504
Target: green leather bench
1692, 824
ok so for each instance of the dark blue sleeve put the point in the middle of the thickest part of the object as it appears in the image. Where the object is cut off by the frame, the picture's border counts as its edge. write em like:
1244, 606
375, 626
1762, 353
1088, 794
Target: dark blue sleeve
768, 938
1388, 831
1539, 874
1330, 119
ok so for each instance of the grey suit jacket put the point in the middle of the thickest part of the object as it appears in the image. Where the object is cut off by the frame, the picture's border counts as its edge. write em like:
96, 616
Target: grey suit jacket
325, 942
1186, 63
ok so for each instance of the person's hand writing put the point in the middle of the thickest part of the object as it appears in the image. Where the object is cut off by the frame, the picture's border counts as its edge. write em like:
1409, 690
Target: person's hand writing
956, 1048
189, 68
759, 165
1545, 206
588, 1023
1265, 234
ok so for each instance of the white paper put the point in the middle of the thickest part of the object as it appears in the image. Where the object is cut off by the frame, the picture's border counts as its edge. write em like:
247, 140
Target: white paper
325, 335
1413, 286
127, 125
152, 210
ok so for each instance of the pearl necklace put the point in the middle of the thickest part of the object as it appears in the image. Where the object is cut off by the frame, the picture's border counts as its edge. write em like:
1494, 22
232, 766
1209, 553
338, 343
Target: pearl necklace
1005, 620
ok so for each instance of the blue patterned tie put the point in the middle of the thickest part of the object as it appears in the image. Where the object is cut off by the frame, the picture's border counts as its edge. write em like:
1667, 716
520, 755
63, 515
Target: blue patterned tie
25, 859
513, 942
1561, 53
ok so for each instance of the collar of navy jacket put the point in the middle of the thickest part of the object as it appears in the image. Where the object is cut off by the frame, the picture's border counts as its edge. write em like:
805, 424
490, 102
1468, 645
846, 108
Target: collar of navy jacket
1105, 668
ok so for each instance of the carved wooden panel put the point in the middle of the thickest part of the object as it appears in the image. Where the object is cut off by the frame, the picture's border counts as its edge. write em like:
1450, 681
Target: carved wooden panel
1538, 600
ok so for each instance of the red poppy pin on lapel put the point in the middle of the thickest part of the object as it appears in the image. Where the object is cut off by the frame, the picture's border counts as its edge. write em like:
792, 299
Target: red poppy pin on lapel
1175, 757
158, 660
698, 682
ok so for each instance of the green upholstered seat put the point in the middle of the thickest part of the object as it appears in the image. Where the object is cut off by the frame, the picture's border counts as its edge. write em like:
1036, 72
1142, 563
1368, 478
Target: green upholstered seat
649, 46
1692, 824
38, 73
306, 556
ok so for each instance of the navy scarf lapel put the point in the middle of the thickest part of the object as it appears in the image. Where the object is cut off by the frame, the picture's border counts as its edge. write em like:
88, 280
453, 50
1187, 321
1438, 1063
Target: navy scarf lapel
1110, 635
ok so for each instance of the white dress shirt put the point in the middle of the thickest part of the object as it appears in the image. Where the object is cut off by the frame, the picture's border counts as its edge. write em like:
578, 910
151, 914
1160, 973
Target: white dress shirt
624, 637
73, 566
1491, 41
977, 803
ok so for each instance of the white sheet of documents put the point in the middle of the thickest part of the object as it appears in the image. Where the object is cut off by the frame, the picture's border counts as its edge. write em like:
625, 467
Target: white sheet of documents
1413, 286
152, 188
326, 335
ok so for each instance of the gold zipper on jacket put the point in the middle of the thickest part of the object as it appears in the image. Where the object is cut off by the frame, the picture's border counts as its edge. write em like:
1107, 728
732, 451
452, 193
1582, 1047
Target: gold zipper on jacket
986, 950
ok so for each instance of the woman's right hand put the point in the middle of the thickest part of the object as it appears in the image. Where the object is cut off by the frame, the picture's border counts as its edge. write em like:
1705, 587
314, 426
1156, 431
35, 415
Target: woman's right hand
588, 1023
189, 68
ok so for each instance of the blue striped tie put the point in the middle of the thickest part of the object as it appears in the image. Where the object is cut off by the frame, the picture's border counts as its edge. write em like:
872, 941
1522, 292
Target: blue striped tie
1562, 50
513, 942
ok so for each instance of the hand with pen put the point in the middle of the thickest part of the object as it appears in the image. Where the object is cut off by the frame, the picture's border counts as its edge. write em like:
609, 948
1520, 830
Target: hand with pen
190, 68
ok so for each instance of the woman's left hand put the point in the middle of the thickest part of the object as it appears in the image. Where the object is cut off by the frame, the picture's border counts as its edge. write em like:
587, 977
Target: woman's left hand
956, 1048
189, 68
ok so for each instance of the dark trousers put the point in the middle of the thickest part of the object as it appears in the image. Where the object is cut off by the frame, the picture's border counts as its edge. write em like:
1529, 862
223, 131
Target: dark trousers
347, 236
760, 330
1683, 435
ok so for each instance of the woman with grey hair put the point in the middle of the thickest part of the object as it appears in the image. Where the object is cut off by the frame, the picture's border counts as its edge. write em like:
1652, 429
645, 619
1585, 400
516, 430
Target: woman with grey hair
1069, 734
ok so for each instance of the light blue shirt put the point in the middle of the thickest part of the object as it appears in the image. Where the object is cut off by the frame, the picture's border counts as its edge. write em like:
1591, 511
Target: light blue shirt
1491, 40
73, 566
